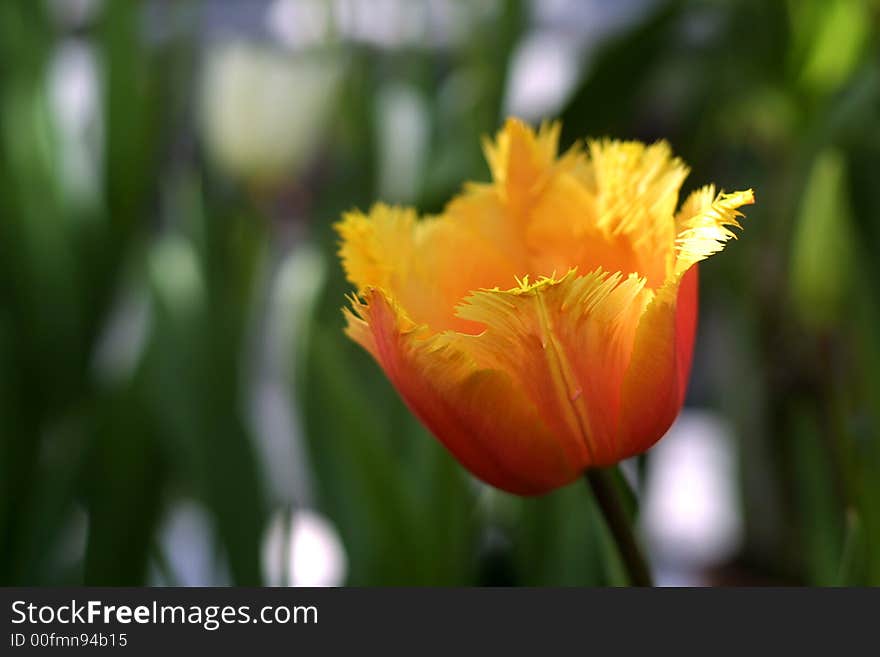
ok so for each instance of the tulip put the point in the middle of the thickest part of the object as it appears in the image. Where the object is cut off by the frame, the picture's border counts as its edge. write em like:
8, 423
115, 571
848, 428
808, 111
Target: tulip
544, 323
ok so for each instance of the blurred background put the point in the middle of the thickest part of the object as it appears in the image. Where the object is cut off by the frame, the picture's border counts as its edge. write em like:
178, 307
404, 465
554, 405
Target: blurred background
178, 404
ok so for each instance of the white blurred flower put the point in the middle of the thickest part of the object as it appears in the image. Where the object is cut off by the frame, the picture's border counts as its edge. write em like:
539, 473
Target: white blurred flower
691, 513
263, 112
303, 549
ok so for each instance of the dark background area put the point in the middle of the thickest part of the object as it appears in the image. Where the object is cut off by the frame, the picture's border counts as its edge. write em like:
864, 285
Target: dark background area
178, 404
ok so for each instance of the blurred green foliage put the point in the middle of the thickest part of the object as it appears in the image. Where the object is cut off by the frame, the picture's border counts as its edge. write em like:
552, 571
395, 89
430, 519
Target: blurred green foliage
780, 96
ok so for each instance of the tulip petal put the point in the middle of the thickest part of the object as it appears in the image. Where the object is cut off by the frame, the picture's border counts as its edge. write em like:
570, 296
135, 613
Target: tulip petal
703, 224
428, 265
480, 415
612, 210
520, 159
656, 380
686, 312
374, 245
567, 343
637, 187
523, 163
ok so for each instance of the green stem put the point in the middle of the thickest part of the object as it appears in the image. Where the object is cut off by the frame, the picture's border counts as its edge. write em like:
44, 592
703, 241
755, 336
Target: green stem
602, 484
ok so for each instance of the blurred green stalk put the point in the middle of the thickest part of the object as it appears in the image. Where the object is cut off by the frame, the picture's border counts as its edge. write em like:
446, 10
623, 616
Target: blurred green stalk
605, 490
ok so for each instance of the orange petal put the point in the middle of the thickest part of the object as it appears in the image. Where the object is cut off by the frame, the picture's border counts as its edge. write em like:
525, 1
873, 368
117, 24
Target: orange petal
520, 159
656, 380
567, 343
481, 415
428, 265
686, 312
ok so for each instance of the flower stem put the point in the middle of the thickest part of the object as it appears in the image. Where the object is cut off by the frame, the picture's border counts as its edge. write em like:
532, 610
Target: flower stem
603, 487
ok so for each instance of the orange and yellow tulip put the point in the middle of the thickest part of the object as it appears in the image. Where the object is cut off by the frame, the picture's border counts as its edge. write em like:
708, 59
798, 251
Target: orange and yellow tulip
544, 323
